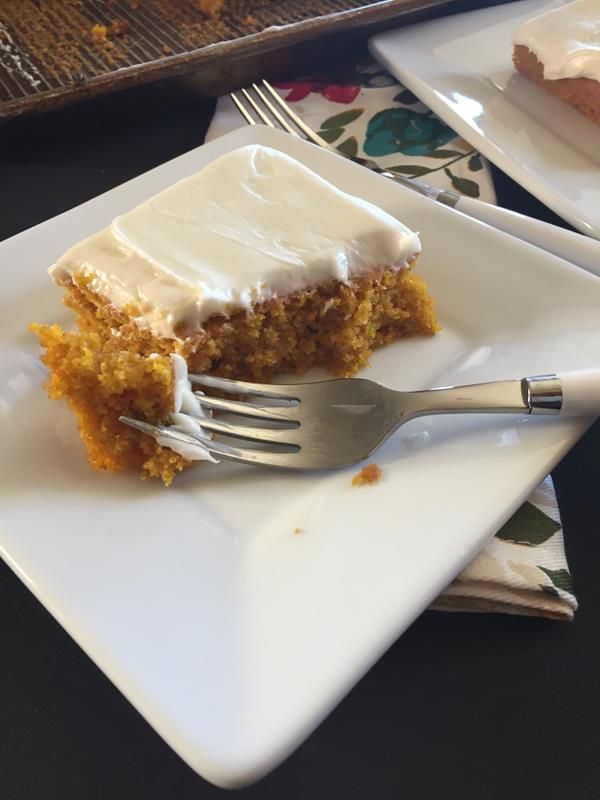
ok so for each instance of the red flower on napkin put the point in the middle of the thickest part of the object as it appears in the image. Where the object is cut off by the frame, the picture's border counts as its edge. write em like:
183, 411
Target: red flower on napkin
332, 91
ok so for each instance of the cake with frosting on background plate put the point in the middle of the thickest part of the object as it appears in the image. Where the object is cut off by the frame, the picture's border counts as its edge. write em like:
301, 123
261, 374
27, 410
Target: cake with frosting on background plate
253, 266
560, 51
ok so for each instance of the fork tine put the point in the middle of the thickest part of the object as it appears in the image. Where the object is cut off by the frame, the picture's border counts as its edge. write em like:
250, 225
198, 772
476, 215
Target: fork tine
280, 119
308, 132
273, 414
171, 433
266, 390
276, 436
257, 108
264, 458
276, 114
242, 109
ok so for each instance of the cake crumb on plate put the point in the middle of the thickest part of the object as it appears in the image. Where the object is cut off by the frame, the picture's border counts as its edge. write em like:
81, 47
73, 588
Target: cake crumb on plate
367, 476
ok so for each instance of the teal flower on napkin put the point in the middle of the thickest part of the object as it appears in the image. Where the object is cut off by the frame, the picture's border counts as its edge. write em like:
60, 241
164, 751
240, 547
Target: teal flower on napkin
402, 130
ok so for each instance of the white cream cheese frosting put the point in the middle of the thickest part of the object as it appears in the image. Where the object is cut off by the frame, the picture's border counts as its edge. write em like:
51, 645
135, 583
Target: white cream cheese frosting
566, 40
186, 416
252, 225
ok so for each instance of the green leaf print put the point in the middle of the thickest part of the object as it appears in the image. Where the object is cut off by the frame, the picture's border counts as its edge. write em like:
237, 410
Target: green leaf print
528, 526
349, 147
406, 97
464, 185
475, 163
331, 134
342, 119
409, 169
404, 130
444, 154
561, 578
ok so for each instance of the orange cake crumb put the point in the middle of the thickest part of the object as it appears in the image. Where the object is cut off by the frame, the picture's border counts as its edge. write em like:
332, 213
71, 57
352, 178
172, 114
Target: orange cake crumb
99, 33
118, 27
297, 531
367, 476
209, 7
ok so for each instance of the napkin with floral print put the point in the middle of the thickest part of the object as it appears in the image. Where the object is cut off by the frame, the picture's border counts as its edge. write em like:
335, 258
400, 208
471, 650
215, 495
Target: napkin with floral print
364, 111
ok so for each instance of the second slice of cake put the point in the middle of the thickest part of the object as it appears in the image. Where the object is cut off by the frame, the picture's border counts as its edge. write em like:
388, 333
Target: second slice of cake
252, 266
560, 51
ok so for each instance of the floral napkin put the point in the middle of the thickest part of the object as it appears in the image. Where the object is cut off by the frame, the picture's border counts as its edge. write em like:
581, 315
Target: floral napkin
365, 112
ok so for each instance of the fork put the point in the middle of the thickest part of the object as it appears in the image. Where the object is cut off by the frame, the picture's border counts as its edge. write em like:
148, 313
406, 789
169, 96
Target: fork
263, 105
336, 423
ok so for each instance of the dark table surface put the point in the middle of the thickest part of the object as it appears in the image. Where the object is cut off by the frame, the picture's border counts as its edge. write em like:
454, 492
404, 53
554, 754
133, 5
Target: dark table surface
477, 707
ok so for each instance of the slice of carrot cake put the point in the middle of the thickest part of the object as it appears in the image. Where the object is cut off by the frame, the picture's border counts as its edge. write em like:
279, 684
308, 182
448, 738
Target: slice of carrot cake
252, 266
560, 51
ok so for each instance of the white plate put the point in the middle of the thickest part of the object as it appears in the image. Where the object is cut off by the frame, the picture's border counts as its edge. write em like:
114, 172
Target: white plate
230, 634
461, 67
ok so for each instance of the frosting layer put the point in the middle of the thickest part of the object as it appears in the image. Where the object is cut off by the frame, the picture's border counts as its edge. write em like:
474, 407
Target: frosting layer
186, 416
566, 40
252, 225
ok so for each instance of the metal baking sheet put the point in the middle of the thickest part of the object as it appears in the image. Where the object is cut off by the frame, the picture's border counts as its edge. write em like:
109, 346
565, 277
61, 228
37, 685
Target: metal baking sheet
53, 52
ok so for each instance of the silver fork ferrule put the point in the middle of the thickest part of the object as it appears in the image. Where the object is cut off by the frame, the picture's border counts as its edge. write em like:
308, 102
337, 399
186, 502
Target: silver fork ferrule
543, 394
448, 198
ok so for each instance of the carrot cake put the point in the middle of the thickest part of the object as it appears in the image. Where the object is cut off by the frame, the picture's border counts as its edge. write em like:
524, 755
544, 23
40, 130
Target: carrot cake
560, 51
252, 266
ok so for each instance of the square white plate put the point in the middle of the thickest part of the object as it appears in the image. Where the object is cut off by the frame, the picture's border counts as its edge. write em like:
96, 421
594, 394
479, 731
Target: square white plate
230, 634
461, 67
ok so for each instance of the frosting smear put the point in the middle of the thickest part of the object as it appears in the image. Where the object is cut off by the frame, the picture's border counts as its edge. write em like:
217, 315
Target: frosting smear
186, 416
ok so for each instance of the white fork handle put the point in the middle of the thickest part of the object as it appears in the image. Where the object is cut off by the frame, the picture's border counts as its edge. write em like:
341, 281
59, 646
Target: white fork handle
573, 247
580, 392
